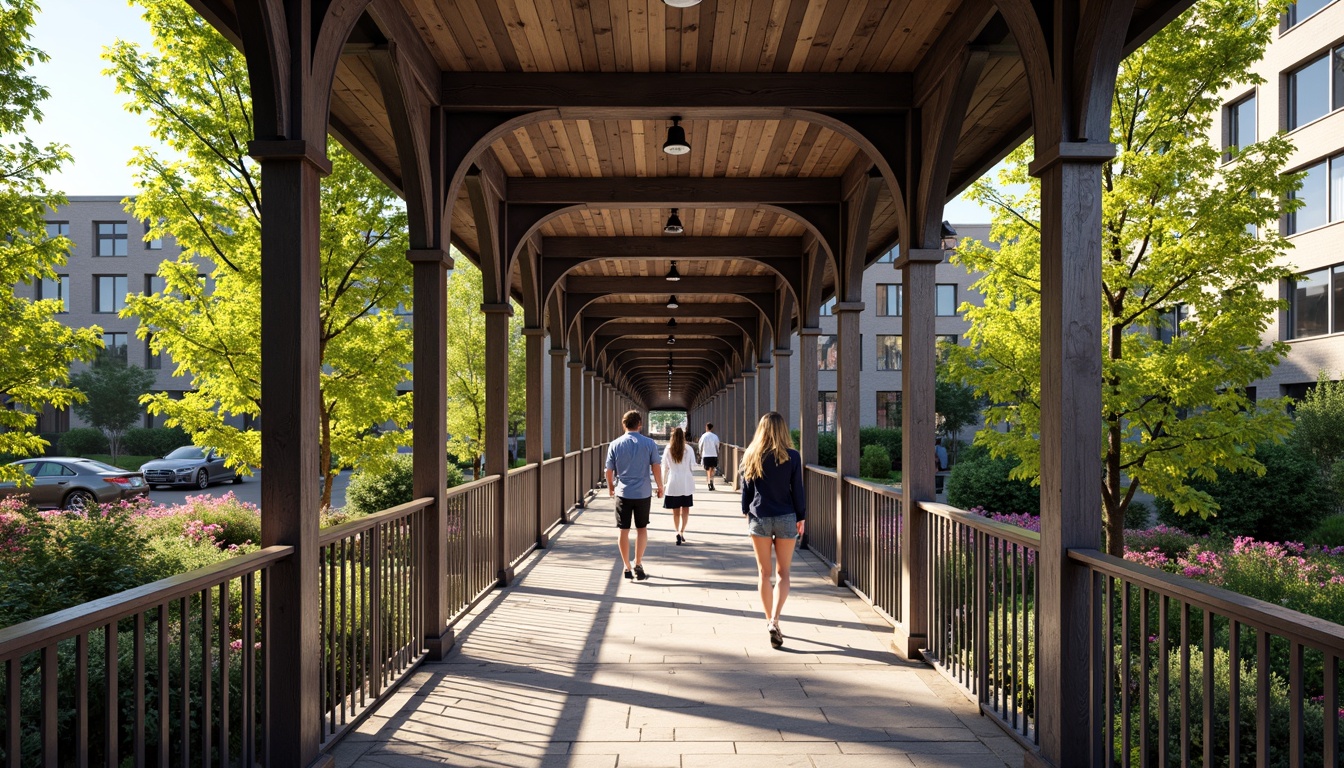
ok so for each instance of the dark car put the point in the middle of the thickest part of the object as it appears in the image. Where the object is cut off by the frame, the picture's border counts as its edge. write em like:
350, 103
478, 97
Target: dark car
62, 483
189, 465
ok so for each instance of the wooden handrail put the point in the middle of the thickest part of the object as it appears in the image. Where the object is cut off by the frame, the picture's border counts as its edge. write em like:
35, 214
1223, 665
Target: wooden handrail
555, 460
821, 470
1028, 539
522, 469
458, 490
34, 634
1275, 619
345, 530
878, 488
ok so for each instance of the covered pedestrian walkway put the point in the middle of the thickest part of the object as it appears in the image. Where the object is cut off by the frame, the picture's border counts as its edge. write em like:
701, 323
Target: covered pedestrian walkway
574, 666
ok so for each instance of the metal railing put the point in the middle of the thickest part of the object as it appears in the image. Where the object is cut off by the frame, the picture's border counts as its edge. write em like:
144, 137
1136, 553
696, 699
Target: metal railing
370, 610
819, 536
1191, 673
520, 523
554, 500
171, 671
872, 529
982, 612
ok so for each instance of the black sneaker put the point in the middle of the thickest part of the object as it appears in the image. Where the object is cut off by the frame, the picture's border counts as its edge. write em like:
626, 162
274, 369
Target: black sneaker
776, 637
680, 540
628, 574
640, 575
711, 486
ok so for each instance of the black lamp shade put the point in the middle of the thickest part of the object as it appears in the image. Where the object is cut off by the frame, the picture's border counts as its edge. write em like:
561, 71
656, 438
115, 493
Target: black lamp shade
671, 322
676, 139
673, 227
672, 302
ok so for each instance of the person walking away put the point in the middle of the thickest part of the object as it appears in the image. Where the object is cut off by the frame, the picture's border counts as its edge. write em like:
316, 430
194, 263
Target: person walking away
709, 453
940, 461
775, 506
629, 459
678, 464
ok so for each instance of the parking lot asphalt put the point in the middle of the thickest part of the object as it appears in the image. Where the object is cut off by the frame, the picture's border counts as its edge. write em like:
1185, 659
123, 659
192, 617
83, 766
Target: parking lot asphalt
249, 491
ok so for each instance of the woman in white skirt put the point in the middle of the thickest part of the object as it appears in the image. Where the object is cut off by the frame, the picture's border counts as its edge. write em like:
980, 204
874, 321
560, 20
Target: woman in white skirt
678, 461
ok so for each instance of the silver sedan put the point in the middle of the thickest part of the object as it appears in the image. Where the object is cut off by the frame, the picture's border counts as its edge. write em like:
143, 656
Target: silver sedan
63, 483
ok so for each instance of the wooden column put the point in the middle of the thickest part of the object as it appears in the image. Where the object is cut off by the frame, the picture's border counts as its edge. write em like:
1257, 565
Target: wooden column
429, 435
536, 394
763, 388
782, 394
846, 419
1071, 441
558, 402
749, 412
291, 273
589, 395
807, 394
918, 370
497, 423
575, 406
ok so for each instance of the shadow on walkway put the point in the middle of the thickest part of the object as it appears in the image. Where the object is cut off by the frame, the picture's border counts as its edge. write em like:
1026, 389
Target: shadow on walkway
574, 666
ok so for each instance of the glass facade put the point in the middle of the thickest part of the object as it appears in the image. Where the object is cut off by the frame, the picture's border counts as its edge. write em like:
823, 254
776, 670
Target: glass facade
945, 300
1240, 122
889, 409
889, 300
826, 404
55, 288
1316, 303
1308, 92
109, 293
828, 352
115, 344
888, 353
111, 238
1322, 196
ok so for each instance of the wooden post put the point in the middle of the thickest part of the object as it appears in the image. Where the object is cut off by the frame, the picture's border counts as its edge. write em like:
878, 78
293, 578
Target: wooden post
558, 423
575, 406
536, 394
497, 424
430, 435
846, 420
291, 273
807, 394
749, 414
763, 388
782, 394
1070, 442
918, 369
589, 422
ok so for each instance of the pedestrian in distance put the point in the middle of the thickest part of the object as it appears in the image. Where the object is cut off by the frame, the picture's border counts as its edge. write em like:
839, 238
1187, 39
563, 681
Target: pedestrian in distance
709, 453
775, 506
629, 459
678, 464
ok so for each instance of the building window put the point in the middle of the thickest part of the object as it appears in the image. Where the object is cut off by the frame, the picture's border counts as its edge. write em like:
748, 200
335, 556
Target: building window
115, 344
1322, 196
826, 411
889, 256
1316, 303
1239, 119
1170, 322
889, 409
58, 229
889, 300
947, 338
153, 360
109, 295
1316, 89
945, 300
111, 238
1303, 9
57, 288
828, 308
888, 353
828, 352
154, 243
155, 284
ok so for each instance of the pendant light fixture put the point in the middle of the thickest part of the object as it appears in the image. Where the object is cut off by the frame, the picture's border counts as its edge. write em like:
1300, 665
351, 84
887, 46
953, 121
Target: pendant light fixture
671, 340
671, 322
672, 302
676, 139
673, 227
681, 3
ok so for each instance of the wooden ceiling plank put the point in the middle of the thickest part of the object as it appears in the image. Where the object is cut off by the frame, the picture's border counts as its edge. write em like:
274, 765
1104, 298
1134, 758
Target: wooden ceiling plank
657, 36
589, 144
667, 191
622, 39
557, 18
660, 247
585, 32
807, 33
536, 37
602, 35
638, 23
739, 24
764, 143
843, 38
641, 152
425, 16
764, 58
824, 37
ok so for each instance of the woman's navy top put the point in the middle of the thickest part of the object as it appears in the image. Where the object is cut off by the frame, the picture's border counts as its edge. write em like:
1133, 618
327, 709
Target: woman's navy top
778, 491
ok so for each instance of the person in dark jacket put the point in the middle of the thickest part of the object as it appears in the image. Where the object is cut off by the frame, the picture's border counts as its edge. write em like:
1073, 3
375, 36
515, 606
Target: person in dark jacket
775, 506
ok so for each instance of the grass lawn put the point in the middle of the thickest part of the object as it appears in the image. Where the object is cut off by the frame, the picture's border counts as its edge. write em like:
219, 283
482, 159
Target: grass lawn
125, 462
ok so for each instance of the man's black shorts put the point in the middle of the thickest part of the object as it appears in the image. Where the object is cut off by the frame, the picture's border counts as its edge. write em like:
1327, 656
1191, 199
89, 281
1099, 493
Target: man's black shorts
710, 462
632, 509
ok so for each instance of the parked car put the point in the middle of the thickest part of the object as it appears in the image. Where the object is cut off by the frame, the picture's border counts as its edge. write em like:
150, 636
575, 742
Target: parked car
189, 465
64, 483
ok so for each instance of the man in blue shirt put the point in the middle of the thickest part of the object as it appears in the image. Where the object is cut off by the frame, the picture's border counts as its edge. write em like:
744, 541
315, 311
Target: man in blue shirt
629, 459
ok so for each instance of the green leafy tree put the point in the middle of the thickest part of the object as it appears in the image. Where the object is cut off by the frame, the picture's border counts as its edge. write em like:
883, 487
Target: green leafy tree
958, 406
1320, 427
1184, 237
466, 366
36, 350
204, 190
112, 392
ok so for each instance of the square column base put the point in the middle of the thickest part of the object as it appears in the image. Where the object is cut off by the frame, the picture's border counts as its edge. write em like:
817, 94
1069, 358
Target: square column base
437, 648
837, 576
504, 577
543, 541
907, 646
1034, 760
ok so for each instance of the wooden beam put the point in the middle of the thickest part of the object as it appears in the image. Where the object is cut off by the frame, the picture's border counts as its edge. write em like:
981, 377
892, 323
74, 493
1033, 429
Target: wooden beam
675, 191
722, 309
700, 248
612, 95
687, 286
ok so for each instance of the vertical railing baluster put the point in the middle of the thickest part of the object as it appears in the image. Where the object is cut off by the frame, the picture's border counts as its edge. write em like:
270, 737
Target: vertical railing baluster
981, 618
163, 704
249, 654
184, 687
1163, 682
111, 698
1208, 688
138, 652
13, 711
82, 699
1143, 674
1126, 681
1108, 633
1262, 702
49, 672
207, 676
1331, 722
1234, 693
225, 675
1296, 736
376, 609
1185, 684
341, 648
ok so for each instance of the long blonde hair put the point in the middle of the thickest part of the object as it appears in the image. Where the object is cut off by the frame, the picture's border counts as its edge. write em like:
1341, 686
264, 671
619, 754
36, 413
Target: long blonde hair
772, 437
677, 445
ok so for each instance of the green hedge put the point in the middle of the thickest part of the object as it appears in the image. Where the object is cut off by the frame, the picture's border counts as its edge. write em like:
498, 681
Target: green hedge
875, 462
158, 441
371, 492
78, 442
826, 450
979, 480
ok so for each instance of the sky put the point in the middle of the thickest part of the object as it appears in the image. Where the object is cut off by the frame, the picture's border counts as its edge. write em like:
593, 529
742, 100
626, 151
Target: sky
86, 113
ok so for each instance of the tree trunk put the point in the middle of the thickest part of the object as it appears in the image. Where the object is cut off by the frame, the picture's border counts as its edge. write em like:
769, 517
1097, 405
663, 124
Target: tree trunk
324, 453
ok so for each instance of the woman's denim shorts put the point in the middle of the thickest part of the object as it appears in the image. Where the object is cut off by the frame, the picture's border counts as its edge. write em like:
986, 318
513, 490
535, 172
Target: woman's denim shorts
779, 527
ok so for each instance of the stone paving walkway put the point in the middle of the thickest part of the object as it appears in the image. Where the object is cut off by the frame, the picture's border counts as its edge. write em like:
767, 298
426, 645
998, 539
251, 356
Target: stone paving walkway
574, 666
